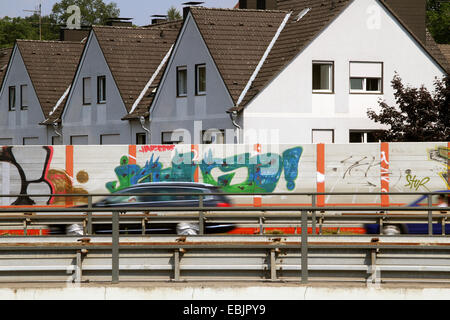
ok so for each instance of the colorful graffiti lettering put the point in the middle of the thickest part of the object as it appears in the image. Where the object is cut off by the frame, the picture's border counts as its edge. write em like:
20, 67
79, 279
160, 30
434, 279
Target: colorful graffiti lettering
182, 169
7, 155
263, 171
440, 154
63, 184
153, 148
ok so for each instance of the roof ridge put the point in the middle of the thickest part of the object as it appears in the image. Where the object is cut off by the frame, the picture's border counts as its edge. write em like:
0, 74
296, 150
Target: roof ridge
151, 26
239, 10
48, 41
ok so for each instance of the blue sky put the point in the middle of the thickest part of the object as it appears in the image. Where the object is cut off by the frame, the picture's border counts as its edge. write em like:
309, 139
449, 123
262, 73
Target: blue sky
140, 10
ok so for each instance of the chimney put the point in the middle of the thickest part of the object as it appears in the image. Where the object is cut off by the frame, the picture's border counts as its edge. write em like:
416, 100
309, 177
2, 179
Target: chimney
119, 22
412, 13
158, 18
75, 35
258, 4
187, 7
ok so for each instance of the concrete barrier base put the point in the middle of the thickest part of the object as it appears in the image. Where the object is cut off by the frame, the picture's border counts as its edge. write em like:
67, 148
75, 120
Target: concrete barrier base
223, 291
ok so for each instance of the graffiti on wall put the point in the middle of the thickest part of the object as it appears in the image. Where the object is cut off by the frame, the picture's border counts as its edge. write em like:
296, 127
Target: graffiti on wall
8, 155
263, 171
440, 155
64, 184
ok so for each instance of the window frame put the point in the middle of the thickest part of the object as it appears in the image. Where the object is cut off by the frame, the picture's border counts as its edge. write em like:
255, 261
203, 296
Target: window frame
215, 132
22, 105
328, 130
364, 90
197, 79
84, 91
141, 134
364, 134
101, 93
181, 68
330, 78
167, 142
12, 106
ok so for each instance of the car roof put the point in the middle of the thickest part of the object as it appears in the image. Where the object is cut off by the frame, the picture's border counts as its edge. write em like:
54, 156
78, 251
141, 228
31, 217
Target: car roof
171, 184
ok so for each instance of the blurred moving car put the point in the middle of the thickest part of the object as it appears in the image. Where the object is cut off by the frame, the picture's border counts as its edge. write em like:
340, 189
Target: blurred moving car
171, 195
441, 200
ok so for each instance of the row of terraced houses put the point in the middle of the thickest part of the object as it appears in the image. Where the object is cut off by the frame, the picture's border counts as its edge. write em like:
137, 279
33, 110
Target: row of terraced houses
274, 71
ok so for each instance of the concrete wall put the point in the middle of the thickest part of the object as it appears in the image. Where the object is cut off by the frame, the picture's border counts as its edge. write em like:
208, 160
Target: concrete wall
395, 167
365, 31
191, 113
95, 119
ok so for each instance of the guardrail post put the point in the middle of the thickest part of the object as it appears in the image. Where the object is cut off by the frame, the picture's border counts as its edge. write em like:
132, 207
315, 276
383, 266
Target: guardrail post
273, 265
313, 214
89, 218
430, 216
201, 216
176, 265
115, 247
304, 248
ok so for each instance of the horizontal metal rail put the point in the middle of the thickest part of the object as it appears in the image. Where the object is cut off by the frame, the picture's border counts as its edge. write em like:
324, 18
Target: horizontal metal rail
285, 257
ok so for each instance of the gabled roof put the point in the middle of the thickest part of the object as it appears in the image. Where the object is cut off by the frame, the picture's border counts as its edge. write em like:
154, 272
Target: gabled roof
5, 54
134, 55
445, 49
237, 40
300, 30
51, 66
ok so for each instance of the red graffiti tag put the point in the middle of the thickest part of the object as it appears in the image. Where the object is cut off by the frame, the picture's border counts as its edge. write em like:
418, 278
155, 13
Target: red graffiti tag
160, 148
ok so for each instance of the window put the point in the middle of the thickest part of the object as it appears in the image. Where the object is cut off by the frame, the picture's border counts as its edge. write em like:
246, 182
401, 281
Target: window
213, 136
323, 136
261, 4
171, 138
30, 141
323, 75
366, 77
109, 139
79, 140
361, 136
141, 138
181, 81
56, 141
87, 100
101, 89
200, 79
24, 97
12, 98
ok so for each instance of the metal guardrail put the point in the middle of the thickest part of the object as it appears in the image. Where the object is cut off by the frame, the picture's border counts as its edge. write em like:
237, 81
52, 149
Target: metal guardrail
274, 252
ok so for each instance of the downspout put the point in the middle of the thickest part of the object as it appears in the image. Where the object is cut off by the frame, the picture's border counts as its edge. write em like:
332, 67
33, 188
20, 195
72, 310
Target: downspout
55, 128
142, 120
233, 117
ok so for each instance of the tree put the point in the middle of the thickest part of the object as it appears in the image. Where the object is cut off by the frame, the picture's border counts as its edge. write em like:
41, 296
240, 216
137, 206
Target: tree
93, 12
26, 28
419, 115
173, 14
438, 20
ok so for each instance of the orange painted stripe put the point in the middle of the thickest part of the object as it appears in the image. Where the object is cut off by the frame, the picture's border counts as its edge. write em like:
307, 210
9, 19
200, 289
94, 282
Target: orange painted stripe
448, 165
132, 154
195, 150
320, 174
257, 199
69, 170
384, 167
